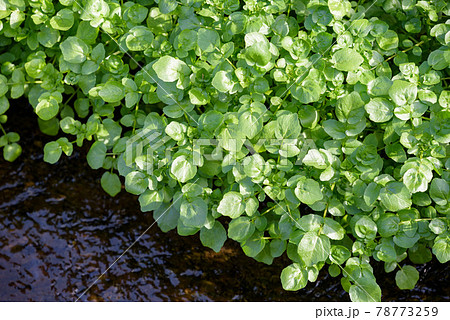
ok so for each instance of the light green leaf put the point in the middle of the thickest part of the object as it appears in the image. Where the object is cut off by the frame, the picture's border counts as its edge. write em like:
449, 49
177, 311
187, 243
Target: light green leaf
52, 152
112, 91
308, 191
222, 81
294, 277
333, 229
347, 59
136, 182
254, 245
11, 152
316, 159
350, 108
231, 205
365, 290
403, 92
74, 50
208, 40
240, 229
151, 200
47, 109
441, 248
407, 277
63, 20
440, 191
167, 6
139, 38
169, 69
339, 254
379, 110
288, 126
193, 214
365, 228
314, 248
183, 169
395, 196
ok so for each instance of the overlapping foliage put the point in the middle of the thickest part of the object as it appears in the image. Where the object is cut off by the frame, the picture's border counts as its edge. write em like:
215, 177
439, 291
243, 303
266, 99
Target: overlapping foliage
317, 129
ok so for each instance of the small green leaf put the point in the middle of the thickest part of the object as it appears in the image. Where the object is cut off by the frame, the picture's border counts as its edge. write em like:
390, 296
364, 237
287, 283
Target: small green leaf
240, 229
308, 191
379, 110
294, 277
441, 248
213, 238
183, 169
231, 205
347, 59
395, 196
440, 191
52, 152
208, 40
63, 20
333, 229
365, 290
407, 277
47, 109
254, 245
112, 91
365, 228
12, 151
96, 155
339, 254
111, 183
314, 248
167, 6
74, 50
150, 200
403, 92
136, 182
222, 81
169, 69
193, 214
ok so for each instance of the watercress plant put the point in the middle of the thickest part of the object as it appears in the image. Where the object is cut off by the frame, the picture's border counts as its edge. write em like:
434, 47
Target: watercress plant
316, 129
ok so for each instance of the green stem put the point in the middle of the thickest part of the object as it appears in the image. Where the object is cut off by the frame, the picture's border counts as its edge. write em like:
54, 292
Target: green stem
135, 118
406, 50
73, 94
3, 130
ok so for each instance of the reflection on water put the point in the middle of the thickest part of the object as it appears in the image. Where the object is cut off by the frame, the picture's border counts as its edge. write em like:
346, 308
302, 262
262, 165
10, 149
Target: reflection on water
59, 231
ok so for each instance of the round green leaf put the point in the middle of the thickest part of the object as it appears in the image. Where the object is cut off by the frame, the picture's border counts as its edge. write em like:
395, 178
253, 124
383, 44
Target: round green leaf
294, 277
74, 50
215, 237
407, 277
52, 152
183, 169
347, 59
193, 214
314, 248
231, 205
111, 183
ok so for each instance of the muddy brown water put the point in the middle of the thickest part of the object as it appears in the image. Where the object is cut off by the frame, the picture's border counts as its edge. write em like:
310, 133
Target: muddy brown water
59, 231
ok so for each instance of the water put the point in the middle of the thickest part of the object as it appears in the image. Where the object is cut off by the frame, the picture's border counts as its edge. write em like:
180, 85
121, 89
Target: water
59, 231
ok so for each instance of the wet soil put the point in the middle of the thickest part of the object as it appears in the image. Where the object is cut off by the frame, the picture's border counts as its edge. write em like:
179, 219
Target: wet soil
59, 232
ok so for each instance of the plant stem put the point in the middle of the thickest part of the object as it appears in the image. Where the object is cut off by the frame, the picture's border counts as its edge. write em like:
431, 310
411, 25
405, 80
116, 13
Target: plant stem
3, 130
406, 50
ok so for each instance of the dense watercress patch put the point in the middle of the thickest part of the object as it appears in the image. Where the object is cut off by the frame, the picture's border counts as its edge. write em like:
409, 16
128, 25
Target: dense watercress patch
317, 129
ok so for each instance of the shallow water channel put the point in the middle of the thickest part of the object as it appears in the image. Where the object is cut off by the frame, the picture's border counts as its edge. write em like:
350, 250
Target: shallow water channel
59, 231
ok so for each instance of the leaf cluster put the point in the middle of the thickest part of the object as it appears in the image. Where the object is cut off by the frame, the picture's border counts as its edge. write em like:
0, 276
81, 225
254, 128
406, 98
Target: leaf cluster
317, 129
